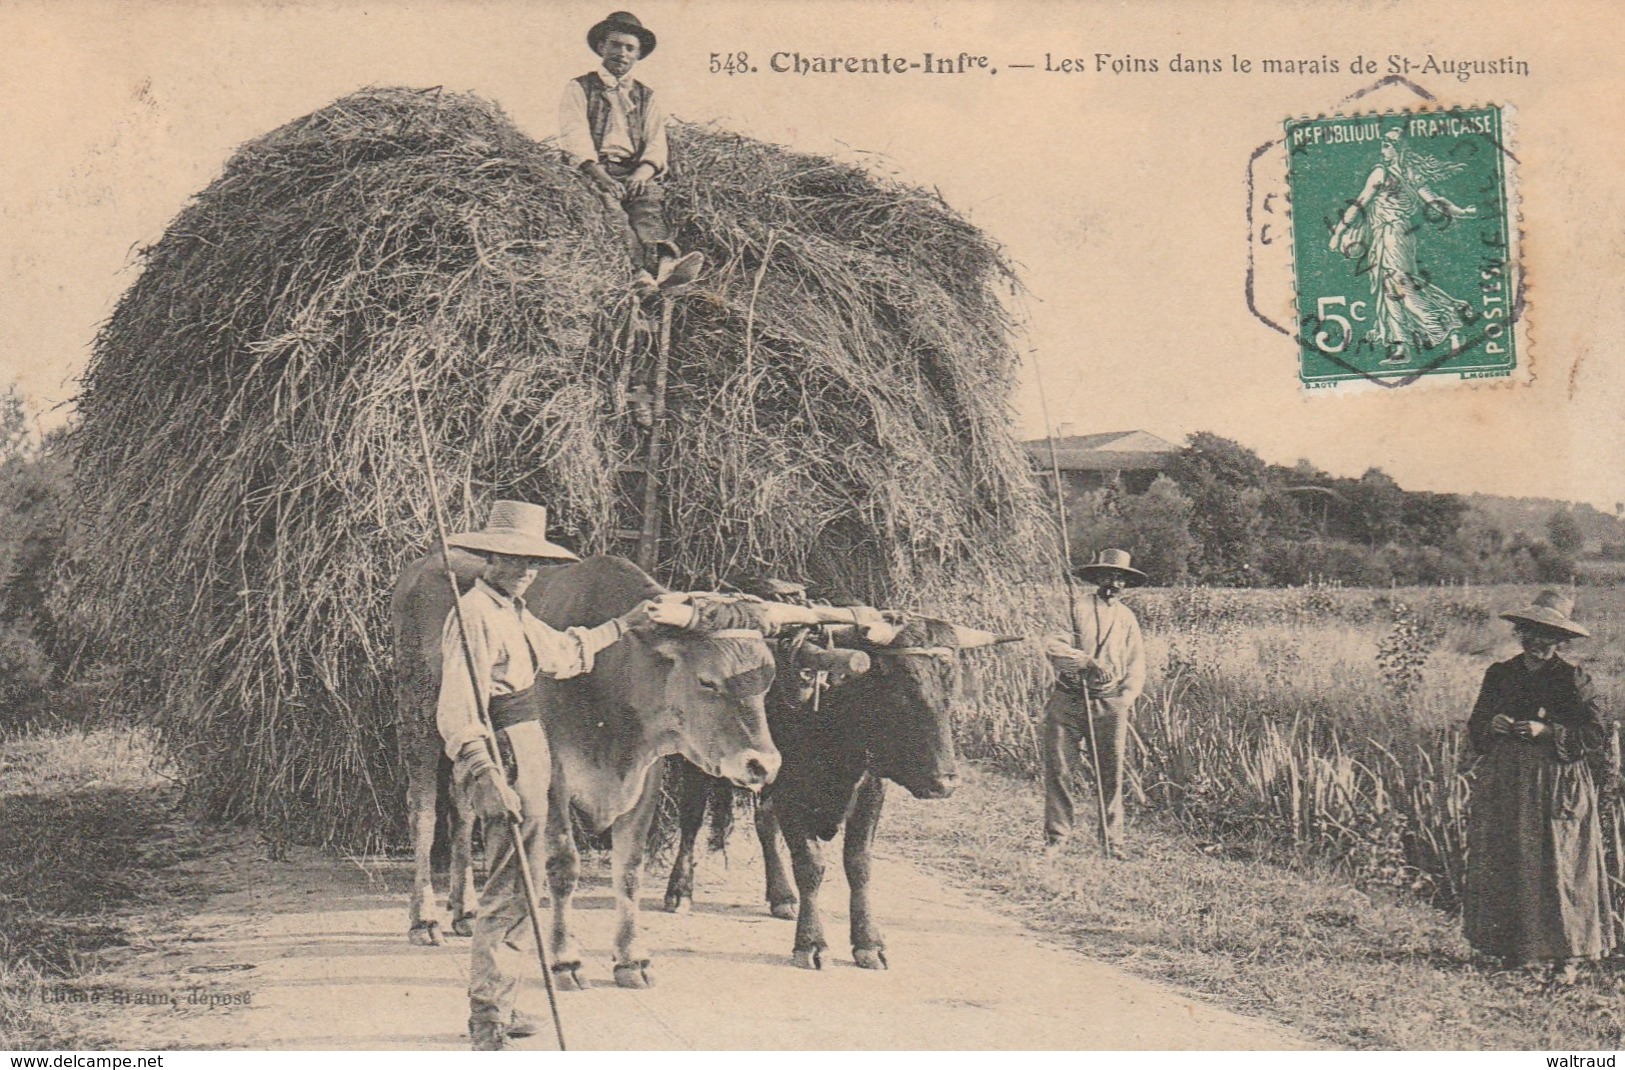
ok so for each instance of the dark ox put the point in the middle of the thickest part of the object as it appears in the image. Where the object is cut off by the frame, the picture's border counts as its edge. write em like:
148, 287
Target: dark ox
803, 669
652, 694
892, 722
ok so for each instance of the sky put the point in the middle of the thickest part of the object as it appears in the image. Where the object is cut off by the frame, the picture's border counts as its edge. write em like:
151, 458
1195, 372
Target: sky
1123, 197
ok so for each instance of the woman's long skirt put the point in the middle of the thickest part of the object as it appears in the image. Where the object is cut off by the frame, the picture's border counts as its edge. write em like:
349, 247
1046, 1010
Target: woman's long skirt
1536, 885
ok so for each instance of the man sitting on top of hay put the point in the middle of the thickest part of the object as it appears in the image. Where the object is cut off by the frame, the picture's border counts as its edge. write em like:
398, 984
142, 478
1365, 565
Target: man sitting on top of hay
611, 127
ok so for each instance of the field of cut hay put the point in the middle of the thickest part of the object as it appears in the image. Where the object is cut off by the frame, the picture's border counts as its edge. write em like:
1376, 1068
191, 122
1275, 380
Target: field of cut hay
246, 454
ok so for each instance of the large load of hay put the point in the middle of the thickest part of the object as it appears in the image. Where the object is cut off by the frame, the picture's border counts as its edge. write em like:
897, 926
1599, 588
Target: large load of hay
249, 464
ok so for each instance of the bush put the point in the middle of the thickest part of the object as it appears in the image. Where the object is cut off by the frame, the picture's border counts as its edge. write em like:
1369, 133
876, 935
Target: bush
25, 678
1299, 564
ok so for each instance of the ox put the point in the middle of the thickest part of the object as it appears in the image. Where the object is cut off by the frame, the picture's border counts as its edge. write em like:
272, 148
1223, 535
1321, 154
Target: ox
892, 722
805, 672
654, 693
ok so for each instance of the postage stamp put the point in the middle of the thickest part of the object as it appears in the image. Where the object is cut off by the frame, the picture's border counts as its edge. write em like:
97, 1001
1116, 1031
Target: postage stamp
1404, 240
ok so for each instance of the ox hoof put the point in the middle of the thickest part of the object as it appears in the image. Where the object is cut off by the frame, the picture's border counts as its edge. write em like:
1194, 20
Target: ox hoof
464, 925
808, 958
425, 934
567, 977
870, 958
677, 904
785, 910
634, 975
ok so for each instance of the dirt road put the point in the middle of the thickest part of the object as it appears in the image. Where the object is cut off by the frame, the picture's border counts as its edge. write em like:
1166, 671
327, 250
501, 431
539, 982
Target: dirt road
311, 954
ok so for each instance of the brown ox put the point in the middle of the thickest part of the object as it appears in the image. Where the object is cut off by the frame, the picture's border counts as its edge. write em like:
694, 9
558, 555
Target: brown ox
654, 693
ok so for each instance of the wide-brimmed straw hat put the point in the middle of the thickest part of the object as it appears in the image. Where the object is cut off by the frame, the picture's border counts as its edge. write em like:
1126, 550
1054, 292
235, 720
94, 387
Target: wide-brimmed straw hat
517, 529
620, 22
1108, 562
1551, 610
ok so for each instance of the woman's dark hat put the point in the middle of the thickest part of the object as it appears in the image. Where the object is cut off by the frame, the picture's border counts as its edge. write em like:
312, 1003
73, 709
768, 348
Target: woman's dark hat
620, 22
517, 529
1550, 610
1113, 562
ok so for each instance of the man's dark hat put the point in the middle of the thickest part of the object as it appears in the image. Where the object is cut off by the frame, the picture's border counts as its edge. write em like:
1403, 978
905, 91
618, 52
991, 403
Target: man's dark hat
620, 22
1113, 562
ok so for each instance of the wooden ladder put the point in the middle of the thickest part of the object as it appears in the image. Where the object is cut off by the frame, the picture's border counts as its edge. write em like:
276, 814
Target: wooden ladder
641, 478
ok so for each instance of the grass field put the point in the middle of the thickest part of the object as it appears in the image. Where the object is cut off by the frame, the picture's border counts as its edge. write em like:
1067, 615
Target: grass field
1329, 723
1302, 785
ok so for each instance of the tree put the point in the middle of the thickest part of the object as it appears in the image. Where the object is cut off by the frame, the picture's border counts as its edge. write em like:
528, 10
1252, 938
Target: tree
1433, 519
1563, 531
1154, 527
1092, 522
1377, 505
1207, 456
1228, 486
34, 484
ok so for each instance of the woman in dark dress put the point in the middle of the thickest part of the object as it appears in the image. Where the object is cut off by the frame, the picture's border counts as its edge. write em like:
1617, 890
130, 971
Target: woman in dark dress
1536, 889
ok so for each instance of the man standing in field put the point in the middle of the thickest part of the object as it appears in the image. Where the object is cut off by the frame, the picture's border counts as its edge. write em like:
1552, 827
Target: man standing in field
1102, 676
612, 129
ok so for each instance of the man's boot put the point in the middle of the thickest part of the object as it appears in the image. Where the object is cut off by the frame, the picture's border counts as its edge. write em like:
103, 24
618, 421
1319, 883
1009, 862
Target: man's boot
679, 272
521, 1025
487, 1035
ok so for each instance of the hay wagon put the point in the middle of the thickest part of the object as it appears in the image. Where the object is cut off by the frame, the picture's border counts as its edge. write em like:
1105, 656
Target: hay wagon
834, 406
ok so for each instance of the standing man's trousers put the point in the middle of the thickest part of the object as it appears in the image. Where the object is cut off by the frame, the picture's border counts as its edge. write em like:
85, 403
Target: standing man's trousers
503, 942
1065, 735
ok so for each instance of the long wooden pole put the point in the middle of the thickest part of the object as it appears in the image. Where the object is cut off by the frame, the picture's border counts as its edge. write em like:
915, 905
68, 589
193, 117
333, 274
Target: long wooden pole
1072, 606
527, 879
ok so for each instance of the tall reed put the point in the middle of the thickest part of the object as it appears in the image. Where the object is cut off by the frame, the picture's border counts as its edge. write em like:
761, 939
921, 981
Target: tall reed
1331, 726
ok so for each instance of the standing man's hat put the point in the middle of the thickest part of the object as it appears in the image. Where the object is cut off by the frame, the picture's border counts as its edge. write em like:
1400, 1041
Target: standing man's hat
518, 529
1550, 610
1110, 561
620, 22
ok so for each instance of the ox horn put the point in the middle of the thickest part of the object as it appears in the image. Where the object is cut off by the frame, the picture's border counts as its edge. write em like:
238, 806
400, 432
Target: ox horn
971, 638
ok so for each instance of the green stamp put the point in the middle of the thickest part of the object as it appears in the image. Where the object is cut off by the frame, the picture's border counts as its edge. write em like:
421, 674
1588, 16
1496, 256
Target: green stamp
1403, 238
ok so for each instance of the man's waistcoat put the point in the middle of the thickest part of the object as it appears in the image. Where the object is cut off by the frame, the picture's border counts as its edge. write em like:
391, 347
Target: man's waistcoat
598, 107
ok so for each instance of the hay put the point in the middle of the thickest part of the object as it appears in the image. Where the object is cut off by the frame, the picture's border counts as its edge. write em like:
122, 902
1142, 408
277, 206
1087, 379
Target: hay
248, 466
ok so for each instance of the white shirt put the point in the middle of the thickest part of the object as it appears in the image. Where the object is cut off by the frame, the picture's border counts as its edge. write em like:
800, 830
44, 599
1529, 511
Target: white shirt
575, 132
509, 648
1109, 633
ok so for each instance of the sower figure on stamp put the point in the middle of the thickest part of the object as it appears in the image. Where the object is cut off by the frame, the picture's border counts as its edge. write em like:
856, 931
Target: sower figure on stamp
612, 128
507, 649
1106, 674
1381, 229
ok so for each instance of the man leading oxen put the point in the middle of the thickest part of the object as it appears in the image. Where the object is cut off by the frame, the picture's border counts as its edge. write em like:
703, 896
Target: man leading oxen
890, 722
614, 699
